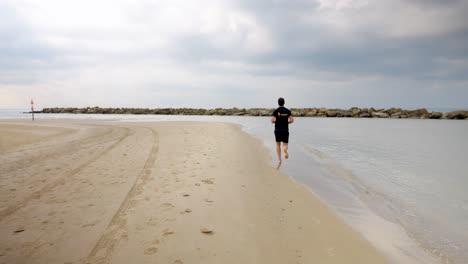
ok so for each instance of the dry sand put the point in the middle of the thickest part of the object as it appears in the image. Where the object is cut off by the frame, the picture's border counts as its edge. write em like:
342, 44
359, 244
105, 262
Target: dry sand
75, 191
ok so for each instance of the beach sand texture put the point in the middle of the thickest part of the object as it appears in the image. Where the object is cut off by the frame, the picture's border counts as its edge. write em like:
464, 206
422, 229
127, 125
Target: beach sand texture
77, 191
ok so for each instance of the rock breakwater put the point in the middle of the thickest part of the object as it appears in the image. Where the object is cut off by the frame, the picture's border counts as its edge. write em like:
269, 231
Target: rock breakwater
353, 112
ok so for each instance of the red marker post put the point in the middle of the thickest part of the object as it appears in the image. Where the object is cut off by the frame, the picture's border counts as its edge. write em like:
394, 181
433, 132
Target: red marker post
32, 109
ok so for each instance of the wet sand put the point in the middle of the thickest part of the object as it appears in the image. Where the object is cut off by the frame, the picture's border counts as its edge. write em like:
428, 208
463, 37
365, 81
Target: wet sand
77, 191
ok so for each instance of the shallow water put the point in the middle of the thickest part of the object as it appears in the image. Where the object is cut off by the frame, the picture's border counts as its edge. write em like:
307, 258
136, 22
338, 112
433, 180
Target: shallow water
400, 182
413, 173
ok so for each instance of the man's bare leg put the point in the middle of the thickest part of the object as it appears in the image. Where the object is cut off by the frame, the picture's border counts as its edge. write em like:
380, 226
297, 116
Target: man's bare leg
285, 147
278, 151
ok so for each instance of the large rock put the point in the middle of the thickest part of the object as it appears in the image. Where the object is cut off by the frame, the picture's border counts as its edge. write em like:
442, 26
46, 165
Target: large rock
164, 111
210, 112
252, 112
295, 112
422, 111
298, 111
457, 115
435, 115
380, 114
220, 112
418, 113
356, 111
265, 112
345, 113
331, 113
392, 111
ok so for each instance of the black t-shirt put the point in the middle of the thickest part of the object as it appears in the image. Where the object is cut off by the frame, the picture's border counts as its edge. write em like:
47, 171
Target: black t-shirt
282, 115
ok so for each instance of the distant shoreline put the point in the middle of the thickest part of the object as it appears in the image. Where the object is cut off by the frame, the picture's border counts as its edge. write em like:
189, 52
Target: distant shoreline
353, 112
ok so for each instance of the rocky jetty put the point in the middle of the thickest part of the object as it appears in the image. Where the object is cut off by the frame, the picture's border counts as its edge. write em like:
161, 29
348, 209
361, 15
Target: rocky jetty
353, 112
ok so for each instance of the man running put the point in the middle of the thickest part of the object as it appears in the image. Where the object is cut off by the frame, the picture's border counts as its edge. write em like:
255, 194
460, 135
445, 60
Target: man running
282, 117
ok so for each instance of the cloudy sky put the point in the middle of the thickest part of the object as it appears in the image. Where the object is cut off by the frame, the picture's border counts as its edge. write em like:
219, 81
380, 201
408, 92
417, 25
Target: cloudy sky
226, 53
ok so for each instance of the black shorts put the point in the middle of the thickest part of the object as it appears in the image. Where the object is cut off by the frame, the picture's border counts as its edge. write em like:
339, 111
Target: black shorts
282, 136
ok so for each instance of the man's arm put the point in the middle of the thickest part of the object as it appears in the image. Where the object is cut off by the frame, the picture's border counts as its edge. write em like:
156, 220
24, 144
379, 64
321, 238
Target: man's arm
291, 119
273, 116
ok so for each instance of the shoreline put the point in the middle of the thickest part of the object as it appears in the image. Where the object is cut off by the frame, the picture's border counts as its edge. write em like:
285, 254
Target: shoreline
386, 236
232, 191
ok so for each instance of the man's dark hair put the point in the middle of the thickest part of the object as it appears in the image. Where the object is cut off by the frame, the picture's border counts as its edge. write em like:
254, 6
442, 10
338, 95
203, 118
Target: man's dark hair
281, 101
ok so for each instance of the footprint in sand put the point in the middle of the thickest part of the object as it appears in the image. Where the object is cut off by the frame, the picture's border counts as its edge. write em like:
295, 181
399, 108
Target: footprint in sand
167, 206
18, 230
178, 261
208, 181
151, 250
152, 221
206, 231
124, 235
167, 232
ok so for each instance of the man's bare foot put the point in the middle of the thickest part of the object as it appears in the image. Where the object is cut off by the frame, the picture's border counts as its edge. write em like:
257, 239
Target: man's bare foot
279, 165
286, 154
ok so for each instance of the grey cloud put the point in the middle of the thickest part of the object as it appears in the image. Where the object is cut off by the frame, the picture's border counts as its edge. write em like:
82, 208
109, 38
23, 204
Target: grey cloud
23, 56
438, 3
320, 48
315, 60
310, 48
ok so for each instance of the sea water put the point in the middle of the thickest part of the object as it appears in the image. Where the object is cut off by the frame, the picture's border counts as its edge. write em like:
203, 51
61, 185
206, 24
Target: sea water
402, 183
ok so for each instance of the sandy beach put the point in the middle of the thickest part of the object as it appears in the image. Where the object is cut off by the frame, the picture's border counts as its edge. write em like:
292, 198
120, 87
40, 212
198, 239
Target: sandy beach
78, 191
